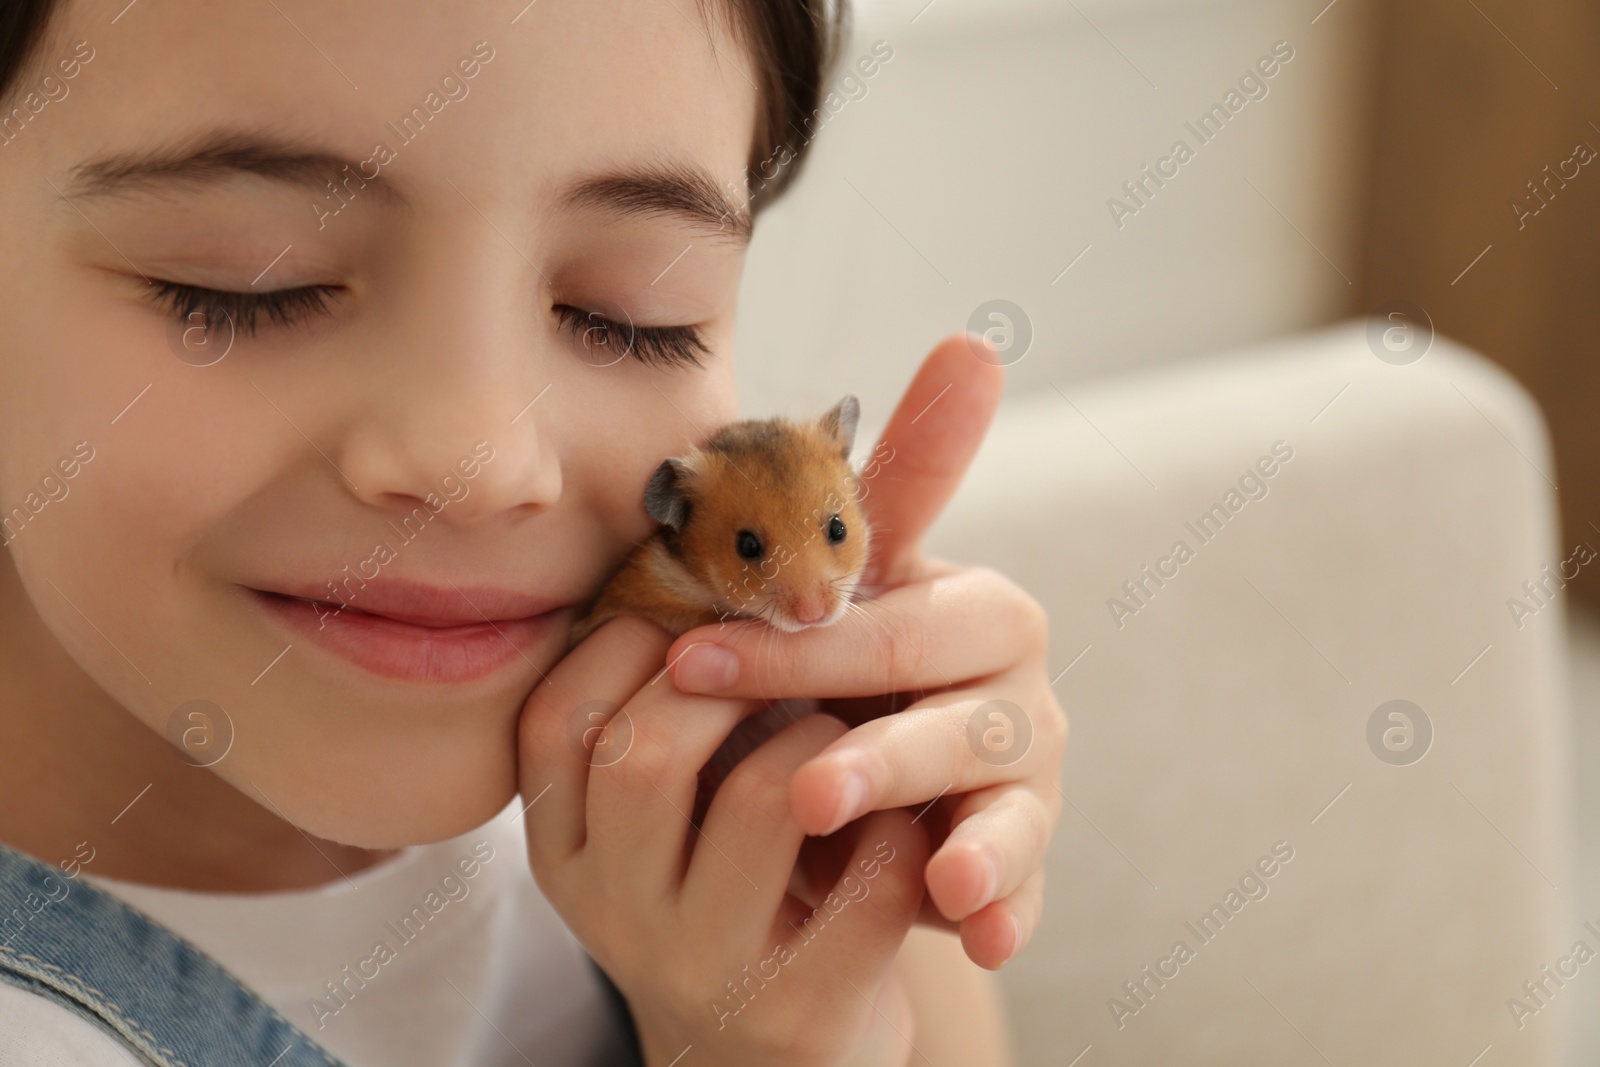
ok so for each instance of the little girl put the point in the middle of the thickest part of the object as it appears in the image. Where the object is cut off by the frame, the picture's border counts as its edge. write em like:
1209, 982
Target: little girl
340, 342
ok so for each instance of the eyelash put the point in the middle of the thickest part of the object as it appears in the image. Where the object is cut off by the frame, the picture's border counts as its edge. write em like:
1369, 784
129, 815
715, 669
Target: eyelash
285, 307
659, 346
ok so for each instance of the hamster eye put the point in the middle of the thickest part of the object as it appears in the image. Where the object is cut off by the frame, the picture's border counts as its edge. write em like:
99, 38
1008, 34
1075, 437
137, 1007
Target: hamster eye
836, 530
748, 545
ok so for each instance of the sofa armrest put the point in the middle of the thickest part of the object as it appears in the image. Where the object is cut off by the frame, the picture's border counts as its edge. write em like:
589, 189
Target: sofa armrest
1353, 533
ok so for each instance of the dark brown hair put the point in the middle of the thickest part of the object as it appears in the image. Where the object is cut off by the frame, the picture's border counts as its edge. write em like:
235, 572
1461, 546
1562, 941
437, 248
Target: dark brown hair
793, 45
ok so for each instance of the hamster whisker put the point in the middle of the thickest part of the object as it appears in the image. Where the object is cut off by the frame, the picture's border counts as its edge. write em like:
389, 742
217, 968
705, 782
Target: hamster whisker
883, 634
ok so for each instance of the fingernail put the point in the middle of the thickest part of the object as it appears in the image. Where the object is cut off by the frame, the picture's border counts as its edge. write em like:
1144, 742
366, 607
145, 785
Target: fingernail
852, 798
1016, 937
706, 668
991, 881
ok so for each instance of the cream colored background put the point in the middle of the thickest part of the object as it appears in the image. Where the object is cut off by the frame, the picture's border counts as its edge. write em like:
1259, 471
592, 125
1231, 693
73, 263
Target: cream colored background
1231, 711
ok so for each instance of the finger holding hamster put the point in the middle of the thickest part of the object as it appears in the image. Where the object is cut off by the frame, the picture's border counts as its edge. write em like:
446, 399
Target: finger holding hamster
988, 874
950, 744
953, 625
612, 753
996, 919
847, 944
821, 985
641, 801
751, 841
638, 885
565, 718
987, 774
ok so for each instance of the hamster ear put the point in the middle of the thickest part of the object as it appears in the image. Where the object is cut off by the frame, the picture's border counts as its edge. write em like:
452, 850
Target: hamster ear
664, 499
840, 422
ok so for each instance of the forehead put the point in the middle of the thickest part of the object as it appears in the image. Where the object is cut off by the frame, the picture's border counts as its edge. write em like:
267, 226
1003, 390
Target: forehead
569, 87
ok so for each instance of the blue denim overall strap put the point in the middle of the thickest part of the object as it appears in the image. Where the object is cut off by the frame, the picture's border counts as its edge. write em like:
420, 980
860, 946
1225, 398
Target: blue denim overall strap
151, 990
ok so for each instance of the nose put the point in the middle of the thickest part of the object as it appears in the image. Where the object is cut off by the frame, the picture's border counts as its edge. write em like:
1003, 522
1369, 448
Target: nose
810, 610
451, 455
454, 416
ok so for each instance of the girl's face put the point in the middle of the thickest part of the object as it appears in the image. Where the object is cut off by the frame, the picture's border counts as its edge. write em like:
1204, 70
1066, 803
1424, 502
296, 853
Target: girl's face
358, 532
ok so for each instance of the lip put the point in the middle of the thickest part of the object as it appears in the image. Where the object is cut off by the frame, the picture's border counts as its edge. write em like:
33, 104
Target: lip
417, 632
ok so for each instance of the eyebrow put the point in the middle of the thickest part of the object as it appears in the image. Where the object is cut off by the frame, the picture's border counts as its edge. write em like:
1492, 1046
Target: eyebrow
213, 159
680, 191
675, 190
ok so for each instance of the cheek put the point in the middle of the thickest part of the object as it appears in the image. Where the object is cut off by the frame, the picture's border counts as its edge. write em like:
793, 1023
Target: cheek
860, 536
110, 551
723, 571
622, 422
135, 578
115, 571
199, 485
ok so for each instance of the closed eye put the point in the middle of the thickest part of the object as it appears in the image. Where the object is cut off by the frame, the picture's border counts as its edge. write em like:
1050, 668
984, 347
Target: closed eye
284, 307
661, 346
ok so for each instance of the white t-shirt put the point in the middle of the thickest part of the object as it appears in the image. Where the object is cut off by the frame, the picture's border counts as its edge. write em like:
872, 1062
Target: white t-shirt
478, 970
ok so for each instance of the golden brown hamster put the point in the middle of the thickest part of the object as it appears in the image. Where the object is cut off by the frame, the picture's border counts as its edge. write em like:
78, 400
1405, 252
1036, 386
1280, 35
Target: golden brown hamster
761, 521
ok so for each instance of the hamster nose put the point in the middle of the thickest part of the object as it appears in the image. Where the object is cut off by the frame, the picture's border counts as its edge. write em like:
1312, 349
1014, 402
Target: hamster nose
808, 611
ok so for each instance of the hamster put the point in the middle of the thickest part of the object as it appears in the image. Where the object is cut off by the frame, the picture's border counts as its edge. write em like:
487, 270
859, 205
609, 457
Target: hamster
762, 521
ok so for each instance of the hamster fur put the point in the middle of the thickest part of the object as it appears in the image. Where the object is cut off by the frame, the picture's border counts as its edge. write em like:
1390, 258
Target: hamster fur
761, 521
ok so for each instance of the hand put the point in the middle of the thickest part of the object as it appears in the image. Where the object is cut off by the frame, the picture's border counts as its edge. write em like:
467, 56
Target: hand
697, 927
935, 643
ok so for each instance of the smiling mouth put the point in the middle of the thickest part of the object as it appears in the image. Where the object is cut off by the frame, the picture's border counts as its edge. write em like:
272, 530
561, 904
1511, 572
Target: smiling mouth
420, 633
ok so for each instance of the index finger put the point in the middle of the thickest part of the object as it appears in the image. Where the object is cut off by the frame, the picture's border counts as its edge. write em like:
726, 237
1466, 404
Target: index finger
950, 626
925, 450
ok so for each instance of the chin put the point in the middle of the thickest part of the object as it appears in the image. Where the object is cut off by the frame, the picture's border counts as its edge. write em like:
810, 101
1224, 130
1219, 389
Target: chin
401, 790
409, 815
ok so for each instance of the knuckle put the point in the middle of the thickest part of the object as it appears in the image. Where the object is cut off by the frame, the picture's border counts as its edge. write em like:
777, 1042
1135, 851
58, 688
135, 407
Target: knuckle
1029, 903
1031, 620
632, 628
1054, 726
1035, 621
1020, 604
647, 762
758, 792
1034, 811
813, 1041
1054, 803
685, 990
633, 631
985, 574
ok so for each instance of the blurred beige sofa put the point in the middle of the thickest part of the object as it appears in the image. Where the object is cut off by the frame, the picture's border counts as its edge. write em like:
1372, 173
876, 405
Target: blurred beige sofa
1340, 900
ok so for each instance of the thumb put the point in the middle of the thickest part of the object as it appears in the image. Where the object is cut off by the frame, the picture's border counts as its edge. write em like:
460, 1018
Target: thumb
925, 450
